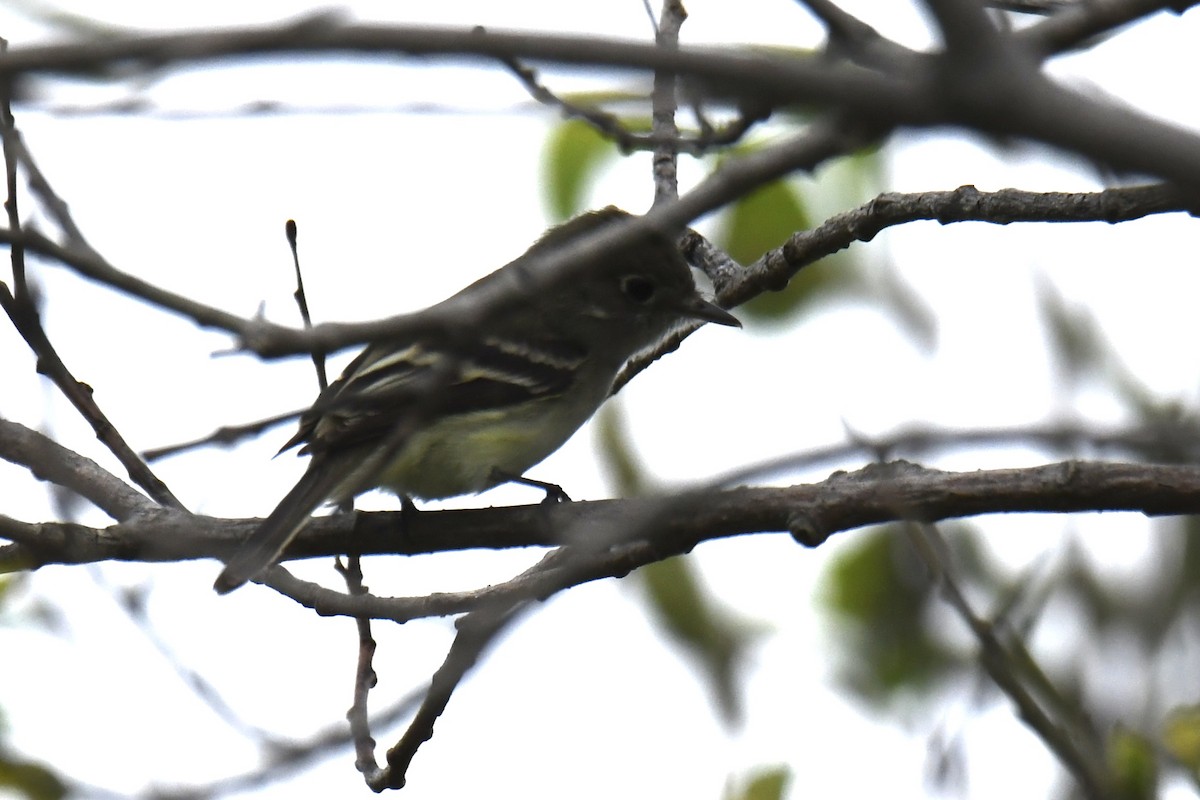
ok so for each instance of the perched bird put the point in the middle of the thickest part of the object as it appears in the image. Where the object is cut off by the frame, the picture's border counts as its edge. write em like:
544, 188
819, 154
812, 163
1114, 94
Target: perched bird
452, 415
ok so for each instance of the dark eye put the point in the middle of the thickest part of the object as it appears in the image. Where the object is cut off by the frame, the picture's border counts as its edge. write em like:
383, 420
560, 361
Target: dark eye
637, 288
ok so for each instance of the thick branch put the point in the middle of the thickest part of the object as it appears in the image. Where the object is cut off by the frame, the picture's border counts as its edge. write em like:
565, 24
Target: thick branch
995, 100
50, 461
811, 512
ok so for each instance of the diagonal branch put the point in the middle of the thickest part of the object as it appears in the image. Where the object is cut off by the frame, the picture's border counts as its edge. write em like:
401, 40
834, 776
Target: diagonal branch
50, 461
1075, 749
964, 204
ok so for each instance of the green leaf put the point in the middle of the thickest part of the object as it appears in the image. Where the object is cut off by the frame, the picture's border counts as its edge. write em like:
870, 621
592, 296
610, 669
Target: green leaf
1181, 737
767, 784
7, 584
876, 595
29, 779
762, 221
1134, 767
766, 218
1074, 336
574, 154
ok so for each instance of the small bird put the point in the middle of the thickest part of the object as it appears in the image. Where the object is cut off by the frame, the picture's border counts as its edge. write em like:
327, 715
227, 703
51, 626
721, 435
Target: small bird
439, 418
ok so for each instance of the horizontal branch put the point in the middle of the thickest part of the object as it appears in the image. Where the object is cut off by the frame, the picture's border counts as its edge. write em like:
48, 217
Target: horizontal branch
918, 90
812, 513
809, 80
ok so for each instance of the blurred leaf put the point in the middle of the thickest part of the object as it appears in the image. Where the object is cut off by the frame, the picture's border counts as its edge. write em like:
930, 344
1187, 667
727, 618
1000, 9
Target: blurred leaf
7, 584
1181, 737
619, 461
1074, 339
1189, 561
766, 784
1134, 768
763, 220
766, 219
1083, 351
28, 779
946, 762
718, 641
676, 598
860, 176
68, 23
907, 309
877, 594
634, 95
1150, 618
575, 152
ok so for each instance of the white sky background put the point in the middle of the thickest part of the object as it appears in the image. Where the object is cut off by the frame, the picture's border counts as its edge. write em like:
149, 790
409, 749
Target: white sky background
582, 699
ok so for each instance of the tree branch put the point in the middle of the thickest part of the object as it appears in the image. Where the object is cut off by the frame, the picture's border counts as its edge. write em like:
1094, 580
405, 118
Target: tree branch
811, 513
50, 461
964, 204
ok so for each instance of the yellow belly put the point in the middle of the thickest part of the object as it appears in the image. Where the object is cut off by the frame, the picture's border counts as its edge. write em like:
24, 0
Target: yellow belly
462, 454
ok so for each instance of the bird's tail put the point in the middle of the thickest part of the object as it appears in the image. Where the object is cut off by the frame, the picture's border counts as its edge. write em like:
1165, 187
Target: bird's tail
265, 545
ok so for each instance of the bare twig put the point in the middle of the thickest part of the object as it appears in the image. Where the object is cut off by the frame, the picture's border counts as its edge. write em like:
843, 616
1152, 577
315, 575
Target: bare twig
50, 461
22, 309
664, 164
283, 759
966, 203
475, 631
1080, 22
364, 677
1026, 103
225, 435
1041, 7
850, 36
50, 200
132, 601
318, 357
1075, 749
626, 140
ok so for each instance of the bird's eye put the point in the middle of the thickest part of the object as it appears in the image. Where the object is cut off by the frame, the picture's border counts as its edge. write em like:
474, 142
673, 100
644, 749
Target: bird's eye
637, 288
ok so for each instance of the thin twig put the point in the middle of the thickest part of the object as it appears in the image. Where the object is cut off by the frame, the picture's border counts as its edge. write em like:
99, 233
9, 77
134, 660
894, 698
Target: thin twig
8, 128
966, 203
1080, 22
225, 435
22, 308
318, 356
364, 677
1039, 7
50, 200
475, 631
282, 759
665, 162
132, 601
1075, 750
627, 141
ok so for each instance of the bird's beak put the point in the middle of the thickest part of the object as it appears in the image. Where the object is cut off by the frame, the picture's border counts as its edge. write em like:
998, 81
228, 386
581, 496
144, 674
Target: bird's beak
698, 308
